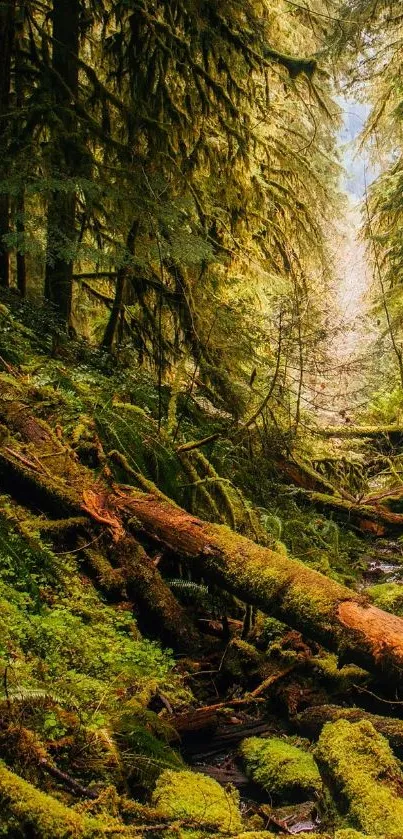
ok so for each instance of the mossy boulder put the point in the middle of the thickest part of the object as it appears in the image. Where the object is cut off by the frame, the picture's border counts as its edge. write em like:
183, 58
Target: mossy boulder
190, 796
360, 764
388, 596
26, 811
282, 768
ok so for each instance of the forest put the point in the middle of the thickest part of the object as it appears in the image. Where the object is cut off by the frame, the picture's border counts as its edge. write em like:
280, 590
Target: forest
201, 419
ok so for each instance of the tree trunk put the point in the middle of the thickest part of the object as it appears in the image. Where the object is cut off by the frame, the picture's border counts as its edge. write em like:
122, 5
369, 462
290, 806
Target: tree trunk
21, 263
286, 588
7, 22
393, 432
118, 309
62, 205
368, 517
20, 203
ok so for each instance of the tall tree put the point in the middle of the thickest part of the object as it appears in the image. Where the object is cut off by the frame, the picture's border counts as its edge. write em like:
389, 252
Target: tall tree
61, 226
7, 23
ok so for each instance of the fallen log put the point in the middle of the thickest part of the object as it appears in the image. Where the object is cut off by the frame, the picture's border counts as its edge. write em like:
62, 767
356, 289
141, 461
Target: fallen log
309, 723
394, 432
372, 518
285, 588
303, 475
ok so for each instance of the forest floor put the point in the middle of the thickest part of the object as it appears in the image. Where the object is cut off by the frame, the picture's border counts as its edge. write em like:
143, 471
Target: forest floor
183, 653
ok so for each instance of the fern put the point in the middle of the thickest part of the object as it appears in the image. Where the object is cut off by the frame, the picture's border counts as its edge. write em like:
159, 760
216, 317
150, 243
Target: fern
28, 698
190, 592
272, 524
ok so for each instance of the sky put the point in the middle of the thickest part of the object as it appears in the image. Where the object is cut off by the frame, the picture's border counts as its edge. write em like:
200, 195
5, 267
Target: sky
358, 168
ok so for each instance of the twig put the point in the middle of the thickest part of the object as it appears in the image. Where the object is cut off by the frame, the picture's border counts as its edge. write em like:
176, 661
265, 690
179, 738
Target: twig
379, 698
188, 447
271, 680
70, 782
23, 459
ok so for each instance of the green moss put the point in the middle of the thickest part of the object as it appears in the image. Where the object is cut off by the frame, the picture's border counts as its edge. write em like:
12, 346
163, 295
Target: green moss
146, 736
264, 834
353, 834
28, 812
365, 772
388, 596
342, 677
192, 796
280, 767
242, 659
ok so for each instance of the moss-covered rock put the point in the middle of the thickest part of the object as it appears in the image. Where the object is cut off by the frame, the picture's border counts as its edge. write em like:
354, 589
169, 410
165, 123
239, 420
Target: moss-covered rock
189, 796
388, 596
25, 811
279, 766
361, 765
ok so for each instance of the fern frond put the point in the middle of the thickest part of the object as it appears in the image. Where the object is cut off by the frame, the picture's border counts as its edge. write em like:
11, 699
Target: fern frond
34, 697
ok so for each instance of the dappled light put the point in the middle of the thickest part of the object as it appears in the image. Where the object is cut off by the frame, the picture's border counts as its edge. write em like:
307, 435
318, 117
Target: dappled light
201, 419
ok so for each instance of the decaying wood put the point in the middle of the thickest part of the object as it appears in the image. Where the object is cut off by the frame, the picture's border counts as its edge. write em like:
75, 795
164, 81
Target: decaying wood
394, 432
226, 737
285, 588
278, 585
373, 518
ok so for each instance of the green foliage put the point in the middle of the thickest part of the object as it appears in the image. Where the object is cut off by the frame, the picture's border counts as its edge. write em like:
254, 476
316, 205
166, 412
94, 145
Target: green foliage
388, 596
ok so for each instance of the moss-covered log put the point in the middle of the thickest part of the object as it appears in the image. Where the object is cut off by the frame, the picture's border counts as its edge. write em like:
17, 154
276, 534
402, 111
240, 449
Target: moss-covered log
134, 572
393, 432
278, 585
158, 612
358, 763
303, 475
25, 811
283, 587
310, 723
371, 518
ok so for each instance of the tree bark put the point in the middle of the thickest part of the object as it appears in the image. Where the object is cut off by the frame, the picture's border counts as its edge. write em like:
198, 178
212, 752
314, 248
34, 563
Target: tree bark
286, 588
62, 205
118, 309
7, 27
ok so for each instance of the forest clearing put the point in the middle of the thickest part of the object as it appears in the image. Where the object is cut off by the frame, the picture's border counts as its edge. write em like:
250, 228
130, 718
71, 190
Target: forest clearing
201, 419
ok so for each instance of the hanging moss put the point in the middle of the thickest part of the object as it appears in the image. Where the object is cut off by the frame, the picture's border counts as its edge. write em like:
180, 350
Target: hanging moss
367, 776
191, 796
283, 769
